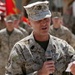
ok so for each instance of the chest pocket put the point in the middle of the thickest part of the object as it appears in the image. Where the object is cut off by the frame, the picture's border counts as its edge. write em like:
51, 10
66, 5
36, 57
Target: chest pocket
32, 58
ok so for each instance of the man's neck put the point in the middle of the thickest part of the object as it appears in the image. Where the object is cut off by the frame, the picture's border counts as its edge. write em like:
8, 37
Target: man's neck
10, 32
41, 38
56, 26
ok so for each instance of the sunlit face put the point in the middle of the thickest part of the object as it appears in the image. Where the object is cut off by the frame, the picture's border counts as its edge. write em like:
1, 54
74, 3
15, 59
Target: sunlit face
41, 27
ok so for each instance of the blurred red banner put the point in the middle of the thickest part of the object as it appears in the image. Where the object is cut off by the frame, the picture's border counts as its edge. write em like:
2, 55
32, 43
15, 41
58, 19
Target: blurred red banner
11, 7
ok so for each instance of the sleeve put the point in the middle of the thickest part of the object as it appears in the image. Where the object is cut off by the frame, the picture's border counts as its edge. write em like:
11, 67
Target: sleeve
73, 41
22, 36
69, 51
13, 66
16, 63
71, 38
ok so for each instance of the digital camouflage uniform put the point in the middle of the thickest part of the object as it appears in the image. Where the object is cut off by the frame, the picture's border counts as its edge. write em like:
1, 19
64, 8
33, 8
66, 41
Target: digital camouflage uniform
6, 44
28, 56
23, 31
63, 33
26, 27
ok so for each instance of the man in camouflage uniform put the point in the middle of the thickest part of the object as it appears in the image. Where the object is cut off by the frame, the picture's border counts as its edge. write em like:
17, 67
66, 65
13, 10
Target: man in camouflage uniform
26, 26
60, 31
17, 18
8, 37
30, 56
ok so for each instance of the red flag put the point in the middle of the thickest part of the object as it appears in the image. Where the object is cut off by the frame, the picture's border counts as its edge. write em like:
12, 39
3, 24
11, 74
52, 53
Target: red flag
11, 7
24, 19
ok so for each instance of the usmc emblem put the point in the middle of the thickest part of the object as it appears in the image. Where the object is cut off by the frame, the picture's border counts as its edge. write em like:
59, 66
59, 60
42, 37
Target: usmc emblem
39, 7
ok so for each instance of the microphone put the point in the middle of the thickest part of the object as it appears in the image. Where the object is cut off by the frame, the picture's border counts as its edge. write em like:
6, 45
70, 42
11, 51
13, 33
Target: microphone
49, 55
48, 59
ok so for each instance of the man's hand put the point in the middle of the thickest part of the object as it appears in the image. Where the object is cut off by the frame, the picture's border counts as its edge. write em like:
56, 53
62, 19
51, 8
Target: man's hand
47, 68
73, 69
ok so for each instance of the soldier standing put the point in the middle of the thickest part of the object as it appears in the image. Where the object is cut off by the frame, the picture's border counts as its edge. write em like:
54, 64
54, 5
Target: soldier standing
8, 37
26, 26
17, 18
30, 55
60, 31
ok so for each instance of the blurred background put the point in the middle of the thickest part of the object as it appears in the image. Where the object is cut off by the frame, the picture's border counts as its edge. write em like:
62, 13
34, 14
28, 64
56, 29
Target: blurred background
66, 7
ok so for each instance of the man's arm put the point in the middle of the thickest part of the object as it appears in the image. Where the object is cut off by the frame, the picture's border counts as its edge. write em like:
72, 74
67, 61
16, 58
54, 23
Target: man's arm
14, 64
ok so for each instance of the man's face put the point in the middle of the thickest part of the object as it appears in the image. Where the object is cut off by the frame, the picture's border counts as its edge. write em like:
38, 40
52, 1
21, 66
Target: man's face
41, 27
56, 20
10, 25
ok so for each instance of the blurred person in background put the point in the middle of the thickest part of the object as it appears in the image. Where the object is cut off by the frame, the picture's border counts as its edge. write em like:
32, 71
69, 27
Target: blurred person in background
17, 20
60, 31
8, 37
26, 26
24, 23
68, 18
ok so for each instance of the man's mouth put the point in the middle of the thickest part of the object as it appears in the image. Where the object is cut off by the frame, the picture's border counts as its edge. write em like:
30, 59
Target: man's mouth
44, 28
